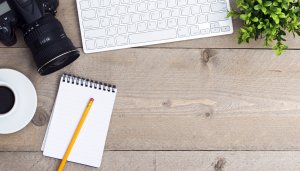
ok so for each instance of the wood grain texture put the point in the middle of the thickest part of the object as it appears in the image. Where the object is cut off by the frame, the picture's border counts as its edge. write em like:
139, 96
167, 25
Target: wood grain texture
172, 99
67, 14
163, 161
177, 96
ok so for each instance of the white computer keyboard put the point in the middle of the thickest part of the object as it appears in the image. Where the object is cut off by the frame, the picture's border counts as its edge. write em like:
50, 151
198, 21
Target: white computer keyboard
117, 24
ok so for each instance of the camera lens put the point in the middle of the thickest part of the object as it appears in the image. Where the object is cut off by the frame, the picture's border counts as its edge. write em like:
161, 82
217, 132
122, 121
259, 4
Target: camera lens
49, 44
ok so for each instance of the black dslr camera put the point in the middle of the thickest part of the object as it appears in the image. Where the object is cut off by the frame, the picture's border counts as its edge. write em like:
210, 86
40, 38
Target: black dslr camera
43, 33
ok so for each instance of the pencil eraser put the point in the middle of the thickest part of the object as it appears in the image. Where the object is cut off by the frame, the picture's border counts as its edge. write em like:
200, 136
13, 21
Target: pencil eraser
92, 99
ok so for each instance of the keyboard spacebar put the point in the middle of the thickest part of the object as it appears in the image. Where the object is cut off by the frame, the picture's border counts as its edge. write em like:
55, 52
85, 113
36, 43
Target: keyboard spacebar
152, 36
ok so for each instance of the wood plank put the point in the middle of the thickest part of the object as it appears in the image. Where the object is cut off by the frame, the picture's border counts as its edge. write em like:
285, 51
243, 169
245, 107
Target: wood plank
163, 161
67, 14
174, 99
111, 161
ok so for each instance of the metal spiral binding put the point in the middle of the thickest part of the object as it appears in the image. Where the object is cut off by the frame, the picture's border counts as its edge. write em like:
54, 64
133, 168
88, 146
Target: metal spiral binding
88, 83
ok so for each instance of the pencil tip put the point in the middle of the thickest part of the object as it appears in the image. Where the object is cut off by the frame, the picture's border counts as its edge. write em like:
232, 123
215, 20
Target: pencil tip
92, 99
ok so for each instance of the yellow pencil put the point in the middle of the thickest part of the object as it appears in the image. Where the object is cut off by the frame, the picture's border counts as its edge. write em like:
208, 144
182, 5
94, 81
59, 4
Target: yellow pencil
76, 133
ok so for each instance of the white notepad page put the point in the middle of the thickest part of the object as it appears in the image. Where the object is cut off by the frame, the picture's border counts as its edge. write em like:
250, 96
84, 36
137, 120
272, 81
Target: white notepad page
70, 104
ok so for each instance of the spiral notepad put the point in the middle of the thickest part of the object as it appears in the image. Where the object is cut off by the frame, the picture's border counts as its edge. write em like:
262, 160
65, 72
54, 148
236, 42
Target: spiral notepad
72, 98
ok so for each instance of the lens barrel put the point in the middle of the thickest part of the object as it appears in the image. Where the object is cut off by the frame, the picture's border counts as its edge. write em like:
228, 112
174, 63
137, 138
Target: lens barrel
49, 44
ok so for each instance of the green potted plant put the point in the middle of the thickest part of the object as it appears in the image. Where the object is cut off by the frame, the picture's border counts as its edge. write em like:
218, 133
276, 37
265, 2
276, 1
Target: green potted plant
269, 20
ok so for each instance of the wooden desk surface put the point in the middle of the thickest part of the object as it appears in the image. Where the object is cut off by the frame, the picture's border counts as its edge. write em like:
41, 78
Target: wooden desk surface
205, 104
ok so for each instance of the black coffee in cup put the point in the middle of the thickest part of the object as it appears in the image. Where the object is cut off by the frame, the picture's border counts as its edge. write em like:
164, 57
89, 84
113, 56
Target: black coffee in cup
7, 99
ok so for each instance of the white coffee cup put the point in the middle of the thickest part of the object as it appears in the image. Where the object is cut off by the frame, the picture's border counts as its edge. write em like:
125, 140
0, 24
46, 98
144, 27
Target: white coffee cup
13, 108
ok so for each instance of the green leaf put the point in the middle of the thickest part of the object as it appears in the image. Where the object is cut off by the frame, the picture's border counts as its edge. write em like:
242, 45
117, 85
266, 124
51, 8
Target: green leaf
255, 19
275, 18
243, 17
282, 15
264, 10
259, 1
260, 26
285, 6
268, 3
257, 7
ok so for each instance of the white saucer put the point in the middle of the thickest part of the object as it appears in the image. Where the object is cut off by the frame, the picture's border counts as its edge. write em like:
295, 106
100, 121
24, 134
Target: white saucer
26, 105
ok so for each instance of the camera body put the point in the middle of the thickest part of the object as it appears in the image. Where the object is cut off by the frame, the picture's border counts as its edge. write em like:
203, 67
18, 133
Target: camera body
43, 33
8, 20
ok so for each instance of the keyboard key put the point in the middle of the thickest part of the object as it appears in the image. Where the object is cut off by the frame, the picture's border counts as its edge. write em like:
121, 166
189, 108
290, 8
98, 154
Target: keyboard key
125, 19
122, 9
104, 22
214, 25
101, 12
84, 4
172, 22
161, 4
89, 14
175, 12
135, 1
110, 42
145, 16
142, 7
172, 3
195, 30
135, 18
204, 26
202, 1
195, 9
152, 36
95, 3
185, 11
132, 8
142, 27
215, 30
132, 28
152, 5
90, 44
122, 29
121, 40
155, 15
100, 43
204, 31
125, 1
91, 23
192, 2
152, 25
161, 24
182, 21
104, 2
225, 28
216, 7
115, 20
165, 14
192, 20
217, 17
111, 31
94, 33
205, 8
183, 32
111, 11
115, 2
210, 1
201, 19
182, 2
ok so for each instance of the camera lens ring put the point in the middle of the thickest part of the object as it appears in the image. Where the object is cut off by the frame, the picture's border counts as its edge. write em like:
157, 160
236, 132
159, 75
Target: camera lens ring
55, 58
